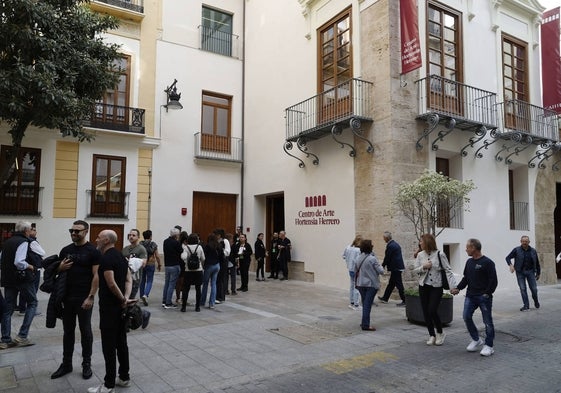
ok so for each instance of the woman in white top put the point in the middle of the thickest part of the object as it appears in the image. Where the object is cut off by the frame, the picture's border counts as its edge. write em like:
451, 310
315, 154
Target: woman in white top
430, 261
191, 246
352, 251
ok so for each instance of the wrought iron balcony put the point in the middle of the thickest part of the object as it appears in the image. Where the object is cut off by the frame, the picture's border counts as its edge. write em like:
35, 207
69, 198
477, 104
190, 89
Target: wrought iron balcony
469, 106
21, 201
316, 116
216, 41
535, 123
103, 203
216, 147
449, 217
117, 118
133, 5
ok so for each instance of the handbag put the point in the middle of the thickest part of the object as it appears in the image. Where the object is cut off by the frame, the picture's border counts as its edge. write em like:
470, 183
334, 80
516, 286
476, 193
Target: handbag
445, 284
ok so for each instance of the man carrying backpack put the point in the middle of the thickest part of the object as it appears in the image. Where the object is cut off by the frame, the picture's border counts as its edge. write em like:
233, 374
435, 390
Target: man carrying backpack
153, 259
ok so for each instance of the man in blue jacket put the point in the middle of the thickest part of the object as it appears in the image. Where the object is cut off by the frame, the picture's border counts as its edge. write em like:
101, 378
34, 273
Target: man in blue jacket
393, 261
527, 268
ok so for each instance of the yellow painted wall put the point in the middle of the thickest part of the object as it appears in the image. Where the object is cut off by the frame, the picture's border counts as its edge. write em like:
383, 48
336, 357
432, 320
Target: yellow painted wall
143, 189
66, 179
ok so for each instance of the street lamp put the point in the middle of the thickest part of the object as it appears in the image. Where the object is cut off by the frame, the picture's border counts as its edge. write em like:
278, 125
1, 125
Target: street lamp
173, 97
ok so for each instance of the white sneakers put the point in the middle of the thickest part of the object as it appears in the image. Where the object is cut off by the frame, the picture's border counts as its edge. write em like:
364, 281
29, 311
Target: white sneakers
487, 351
122, 383
438, 340
472, 347
100, 389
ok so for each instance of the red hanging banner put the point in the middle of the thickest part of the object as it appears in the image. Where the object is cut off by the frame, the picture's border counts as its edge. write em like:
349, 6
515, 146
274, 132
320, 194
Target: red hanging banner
410, 44
551, 60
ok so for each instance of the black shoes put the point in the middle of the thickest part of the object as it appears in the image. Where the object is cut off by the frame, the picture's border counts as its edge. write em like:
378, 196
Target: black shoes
537, 304
86, 371
61, 371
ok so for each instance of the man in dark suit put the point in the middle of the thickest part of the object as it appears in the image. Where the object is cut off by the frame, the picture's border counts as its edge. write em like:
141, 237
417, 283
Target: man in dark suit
393, 261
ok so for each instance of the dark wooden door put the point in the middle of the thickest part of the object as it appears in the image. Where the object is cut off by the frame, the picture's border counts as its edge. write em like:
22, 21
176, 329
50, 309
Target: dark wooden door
274, 222
211, 211
118, 228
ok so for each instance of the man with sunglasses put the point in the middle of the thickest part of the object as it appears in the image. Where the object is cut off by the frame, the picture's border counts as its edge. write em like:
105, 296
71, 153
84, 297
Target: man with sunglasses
80, 261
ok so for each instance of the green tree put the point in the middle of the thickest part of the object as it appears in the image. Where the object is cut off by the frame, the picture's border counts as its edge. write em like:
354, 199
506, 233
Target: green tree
54, 65
431, 198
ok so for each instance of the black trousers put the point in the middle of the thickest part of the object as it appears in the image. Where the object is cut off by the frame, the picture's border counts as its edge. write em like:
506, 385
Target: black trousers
72, 310
114, 345
260, 268
222, 281
394, 281
430, 300
283, 266
192, 278
244, 273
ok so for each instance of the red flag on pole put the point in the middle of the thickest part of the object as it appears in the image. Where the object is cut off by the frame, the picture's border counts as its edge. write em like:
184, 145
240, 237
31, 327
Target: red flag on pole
551, 60
410, 44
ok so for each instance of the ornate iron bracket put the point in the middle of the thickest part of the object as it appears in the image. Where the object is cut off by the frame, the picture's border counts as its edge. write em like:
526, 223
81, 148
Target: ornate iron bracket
301, 145
355, 128
450, 124
518, 138
479, 135
432, 122
288, 146
486, 143
337, 130
550, 148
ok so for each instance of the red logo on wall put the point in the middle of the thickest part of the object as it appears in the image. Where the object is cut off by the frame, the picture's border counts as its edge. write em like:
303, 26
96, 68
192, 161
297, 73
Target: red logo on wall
316, 200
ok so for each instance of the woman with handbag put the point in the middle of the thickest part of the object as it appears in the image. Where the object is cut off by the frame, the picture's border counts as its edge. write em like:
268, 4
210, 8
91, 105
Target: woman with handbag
435, 275
242, 253
367, 281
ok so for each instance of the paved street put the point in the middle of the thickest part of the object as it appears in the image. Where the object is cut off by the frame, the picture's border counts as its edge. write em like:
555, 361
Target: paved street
301, 337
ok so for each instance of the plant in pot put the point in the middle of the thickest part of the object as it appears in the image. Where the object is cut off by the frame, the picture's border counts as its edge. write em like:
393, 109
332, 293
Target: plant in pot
414, 311
431, 203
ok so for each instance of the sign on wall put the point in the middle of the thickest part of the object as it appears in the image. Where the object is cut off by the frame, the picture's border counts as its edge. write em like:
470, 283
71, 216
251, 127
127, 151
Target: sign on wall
410, 45
551, 60
316, 212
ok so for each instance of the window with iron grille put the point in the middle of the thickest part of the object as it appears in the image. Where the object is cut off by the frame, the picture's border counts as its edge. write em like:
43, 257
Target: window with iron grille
216, 31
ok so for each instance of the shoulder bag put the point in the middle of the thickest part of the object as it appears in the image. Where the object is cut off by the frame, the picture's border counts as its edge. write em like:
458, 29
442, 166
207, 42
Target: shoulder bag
445, 284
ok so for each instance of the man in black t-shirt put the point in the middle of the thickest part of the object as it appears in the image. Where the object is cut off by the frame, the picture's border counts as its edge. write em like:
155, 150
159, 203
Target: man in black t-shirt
80, 261
115, 285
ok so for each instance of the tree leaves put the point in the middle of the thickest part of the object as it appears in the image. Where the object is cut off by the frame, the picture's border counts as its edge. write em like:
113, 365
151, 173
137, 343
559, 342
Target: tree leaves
421, 200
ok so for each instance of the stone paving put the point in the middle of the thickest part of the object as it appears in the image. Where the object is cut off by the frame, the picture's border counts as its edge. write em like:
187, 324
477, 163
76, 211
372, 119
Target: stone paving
293, 336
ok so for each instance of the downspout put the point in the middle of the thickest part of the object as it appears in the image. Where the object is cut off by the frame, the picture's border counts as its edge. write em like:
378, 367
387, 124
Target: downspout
242, 169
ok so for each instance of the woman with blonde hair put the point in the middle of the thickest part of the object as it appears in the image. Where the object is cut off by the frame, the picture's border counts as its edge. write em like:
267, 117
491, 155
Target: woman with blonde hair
349, 256
428, 265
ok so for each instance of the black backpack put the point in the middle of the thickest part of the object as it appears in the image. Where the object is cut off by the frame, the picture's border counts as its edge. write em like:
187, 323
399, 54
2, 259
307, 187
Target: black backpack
193, 262
149, 245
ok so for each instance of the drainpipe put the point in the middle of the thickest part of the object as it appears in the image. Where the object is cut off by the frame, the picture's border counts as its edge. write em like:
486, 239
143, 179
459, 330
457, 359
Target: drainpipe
242, 169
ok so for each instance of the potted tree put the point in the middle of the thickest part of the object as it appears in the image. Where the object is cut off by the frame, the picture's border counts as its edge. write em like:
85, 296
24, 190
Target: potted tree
414, 311
430, 200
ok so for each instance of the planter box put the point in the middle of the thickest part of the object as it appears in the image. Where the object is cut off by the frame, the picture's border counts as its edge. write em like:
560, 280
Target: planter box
414, 311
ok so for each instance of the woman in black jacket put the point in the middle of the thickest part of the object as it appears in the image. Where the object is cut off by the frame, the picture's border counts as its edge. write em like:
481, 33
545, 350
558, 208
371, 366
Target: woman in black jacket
260, 254
242, 253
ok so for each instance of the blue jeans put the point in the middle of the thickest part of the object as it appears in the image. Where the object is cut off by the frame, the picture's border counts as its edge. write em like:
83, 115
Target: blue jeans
353, 292
210, 273
172, 274
367, 294
523, 276
147, 279
485, 304
27, 289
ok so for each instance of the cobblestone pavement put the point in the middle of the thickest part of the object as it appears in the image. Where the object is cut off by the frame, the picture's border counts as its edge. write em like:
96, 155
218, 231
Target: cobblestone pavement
300, 337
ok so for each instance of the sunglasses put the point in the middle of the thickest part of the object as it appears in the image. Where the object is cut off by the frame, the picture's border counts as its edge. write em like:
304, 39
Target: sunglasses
75, 231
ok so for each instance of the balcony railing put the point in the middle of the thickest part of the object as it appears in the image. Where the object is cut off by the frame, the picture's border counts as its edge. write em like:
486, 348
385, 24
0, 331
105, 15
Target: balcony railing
449, 217
315, 116
217, 41
216, 147
469, 106
133, 5
519, 216
114, 204
21, 201
117, 118
520, 116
